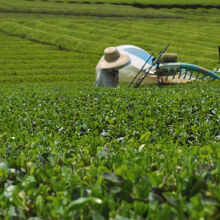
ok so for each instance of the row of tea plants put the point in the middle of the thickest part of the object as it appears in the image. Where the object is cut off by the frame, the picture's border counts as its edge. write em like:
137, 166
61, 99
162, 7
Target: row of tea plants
101, 153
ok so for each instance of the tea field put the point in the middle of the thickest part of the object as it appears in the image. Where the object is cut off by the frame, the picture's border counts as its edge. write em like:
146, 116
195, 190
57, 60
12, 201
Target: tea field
104, 10
140, 2
44, 48
69, 150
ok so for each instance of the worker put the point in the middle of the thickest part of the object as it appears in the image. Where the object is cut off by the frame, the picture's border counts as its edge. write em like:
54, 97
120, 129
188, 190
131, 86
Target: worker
107, 69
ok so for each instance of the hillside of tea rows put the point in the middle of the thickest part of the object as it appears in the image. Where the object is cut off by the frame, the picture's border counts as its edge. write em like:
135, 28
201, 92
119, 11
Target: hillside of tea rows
138, 2
73, 151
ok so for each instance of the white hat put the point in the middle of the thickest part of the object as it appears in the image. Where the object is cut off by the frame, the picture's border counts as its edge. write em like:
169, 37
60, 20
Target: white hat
113, 59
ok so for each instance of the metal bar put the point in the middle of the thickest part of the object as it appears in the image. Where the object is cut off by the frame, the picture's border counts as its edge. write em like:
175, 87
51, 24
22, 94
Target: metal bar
156, 61
185, 74
140, 70
168, 73
197, 76
175, 71
143, 77
180, 73
191, 74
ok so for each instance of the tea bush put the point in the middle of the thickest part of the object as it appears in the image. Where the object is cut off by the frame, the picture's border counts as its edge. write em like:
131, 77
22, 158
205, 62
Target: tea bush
72, 151
143, 2
81, 42
89, 153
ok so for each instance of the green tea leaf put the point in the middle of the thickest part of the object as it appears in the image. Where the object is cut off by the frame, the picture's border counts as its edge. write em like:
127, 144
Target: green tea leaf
29, 182
82, 201
113, 178
97, 216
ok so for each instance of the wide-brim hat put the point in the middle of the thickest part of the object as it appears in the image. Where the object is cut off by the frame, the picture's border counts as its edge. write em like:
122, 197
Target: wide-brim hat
113, 59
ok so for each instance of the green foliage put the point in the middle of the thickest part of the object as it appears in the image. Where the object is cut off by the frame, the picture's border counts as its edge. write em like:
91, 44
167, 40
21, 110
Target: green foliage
143, 2
81, 42
100, 10
101, 153
72, 151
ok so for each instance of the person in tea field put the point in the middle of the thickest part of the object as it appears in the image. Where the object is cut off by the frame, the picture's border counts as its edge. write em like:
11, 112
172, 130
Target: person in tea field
107, 69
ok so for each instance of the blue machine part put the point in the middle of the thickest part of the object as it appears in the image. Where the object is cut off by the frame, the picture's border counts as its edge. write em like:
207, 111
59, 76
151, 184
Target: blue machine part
139, 53
199, 69
186, 68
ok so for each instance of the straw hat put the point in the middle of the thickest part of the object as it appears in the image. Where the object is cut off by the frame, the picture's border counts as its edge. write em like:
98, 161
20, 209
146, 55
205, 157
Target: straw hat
113, 59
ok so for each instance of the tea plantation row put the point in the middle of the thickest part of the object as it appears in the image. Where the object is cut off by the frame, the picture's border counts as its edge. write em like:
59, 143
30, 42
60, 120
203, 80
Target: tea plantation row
83, 40
101, 10
72, 151
142, 2
22, 60
89, 153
